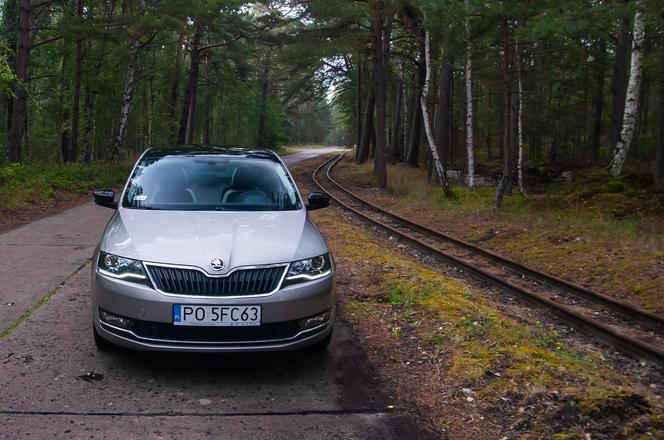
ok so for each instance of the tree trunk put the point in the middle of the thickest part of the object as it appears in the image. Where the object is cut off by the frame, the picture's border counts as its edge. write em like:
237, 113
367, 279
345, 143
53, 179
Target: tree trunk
598, 100
382, 19
64, 115
76, 94
358, 107
149, 112
437, 162
619, 82
11, 11
187, 121
88, 127
396, 150
90, 92
261, 140
207, 134
443, 107
372, 140
659, 155
367, 128
505, 184
519, 127
514, 129
488, 128
19, 103
126, 100
175, 89
413, 155
631, 98
470, 147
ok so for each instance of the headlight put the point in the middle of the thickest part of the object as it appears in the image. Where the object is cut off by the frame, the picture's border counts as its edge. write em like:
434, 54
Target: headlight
122, 268
309, 269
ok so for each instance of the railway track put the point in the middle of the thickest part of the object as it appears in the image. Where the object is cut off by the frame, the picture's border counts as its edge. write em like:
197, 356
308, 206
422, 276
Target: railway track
632, 330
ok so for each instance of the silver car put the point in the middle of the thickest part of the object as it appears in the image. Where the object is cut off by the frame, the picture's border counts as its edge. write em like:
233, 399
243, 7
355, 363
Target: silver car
212, 249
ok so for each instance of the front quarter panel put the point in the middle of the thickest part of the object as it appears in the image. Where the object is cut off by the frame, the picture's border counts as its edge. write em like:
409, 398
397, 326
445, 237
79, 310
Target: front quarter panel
311, 243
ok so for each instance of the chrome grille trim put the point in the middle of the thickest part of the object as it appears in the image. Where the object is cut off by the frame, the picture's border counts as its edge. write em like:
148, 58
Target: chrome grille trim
193, 282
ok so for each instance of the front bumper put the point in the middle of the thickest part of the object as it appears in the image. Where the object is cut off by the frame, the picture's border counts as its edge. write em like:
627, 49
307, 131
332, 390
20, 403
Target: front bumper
153, 312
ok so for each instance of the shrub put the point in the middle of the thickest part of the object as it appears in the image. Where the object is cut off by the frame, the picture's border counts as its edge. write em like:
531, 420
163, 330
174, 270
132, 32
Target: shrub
22, 185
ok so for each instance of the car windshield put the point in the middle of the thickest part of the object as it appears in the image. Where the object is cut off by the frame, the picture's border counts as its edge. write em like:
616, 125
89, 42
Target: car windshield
210, 182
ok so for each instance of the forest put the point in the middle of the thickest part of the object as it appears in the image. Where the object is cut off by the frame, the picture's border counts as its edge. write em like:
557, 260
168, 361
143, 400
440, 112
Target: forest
491, 259
510, 89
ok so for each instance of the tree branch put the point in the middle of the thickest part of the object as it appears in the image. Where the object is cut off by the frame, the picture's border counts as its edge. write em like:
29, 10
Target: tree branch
45, 41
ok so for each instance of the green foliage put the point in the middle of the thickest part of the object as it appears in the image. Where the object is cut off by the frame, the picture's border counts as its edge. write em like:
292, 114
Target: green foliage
243, 46
23, 185
480, 347
7, 77
597, 185
275, 134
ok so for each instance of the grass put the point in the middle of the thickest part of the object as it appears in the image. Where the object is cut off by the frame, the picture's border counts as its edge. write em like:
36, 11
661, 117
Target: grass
593, 202
23, 185
286, 150
601, 231
536, 366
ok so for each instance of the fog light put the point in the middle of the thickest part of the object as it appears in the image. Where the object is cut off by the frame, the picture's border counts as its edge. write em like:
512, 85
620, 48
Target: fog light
314, 321
116, 320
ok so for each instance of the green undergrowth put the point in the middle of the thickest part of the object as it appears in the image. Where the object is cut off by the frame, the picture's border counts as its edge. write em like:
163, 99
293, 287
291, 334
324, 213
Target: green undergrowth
23, 185
578, 230
528, 365
287, 149
592, 201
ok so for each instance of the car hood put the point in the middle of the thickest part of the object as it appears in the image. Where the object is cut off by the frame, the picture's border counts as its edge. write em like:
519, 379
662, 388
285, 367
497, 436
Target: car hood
194, 238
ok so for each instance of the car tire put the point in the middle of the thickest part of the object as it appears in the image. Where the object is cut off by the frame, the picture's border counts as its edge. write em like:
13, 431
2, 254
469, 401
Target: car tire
101, 343
323, 343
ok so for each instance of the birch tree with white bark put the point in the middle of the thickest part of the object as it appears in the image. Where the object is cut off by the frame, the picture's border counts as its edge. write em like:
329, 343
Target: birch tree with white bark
619, 155
128, 92
126, 99
470, 147
441, 172
519, 129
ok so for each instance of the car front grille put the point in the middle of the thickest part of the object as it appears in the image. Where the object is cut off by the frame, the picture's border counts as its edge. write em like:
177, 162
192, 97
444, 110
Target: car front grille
192, 282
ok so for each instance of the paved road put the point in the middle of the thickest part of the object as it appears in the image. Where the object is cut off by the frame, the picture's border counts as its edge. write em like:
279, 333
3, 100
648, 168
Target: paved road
46, 361
308, 154
35, 258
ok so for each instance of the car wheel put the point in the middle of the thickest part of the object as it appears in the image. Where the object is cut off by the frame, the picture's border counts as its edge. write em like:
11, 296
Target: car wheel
101, 343
323, 343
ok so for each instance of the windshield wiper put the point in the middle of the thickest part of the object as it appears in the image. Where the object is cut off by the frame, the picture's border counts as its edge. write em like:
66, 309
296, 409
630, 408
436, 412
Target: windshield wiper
219, 208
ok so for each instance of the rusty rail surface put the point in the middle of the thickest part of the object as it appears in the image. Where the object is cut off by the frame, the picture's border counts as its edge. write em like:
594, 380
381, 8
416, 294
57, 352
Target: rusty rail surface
620, 340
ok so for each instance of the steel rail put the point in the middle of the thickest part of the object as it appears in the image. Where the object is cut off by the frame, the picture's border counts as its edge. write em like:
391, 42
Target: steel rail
647, 319
624, 342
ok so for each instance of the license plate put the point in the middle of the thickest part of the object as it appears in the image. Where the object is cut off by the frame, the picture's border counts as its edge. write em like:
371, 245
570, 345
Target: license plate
216, 316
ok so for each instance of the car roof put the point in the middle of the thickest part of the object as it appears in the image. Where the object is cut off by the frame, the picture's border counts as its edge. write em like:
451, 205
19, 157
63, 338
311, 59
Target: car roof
207, 150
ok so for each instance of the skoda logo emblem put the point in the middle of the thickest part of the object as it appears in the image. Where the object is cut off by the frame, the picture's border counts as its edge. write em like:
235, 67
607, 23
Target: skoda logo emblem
216, 264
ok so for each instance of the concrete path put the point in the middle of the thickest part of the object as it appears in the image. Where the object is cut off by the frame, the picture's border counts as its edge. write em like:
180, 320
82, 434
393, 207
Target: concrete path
308, 154
47, 361
37, 257
45, 389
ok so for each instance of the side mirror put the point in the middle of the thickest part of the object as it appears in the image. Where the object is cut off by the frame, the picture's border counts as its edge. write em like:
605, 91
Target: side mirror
318, 200
106, 198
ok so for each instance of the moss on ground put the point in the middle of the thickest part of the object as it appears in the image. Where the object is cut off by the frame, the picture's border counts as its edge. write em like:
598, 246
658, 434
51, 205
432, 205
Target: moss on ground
603, 205
601, 231
485, 349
